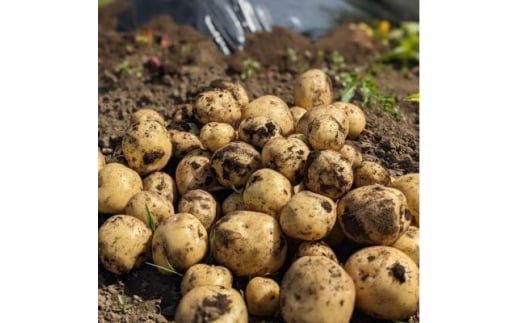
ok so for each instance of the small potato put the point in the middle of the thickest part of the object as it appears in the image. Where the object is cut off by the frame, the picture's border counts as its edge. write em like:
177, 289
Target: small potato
316, 289
267, 191
272, 107
409, 243
147, 114
308, 216
194, 171
214, 135
183, 142
233, 202
101, 160
374, 215
204, 274
337, 113
116, 186
257, 130
297, 112
352, 154
123, 242
236, 89
216, 106
201, 204
287, 156
409, 185
325, 132
234, 163
312, 88
179, 241
249, 243
262, 296
158, 206
316, 248
146, 146
356, 118
370, 173
161, 183
328, 173
211, 303
387, 282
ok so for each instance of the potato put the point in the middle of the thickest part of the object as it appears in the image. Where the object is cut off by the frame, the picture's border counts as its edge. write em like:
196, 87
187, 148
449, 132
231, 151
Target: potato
214, 135
237, 91
146, 146
409, 243
316, 289
101, 160
233, 202
257, 130
123, 242
328, 173
409, 185
234, 163
194, 171
249, 243
211, 303
387, 282
299, 136
297, 112
374, 215
337, 113
201, 204
308, 216
312, 88
287, 156
179, 241
336, 235
267, 191
116, 186
183, 142
325, 132
147, 114
272, 107
204, 274
352, 154
158, 206
316, 248
356, 118
185, 126
370, 173
161, 183
183, 113
216, 106
262, 296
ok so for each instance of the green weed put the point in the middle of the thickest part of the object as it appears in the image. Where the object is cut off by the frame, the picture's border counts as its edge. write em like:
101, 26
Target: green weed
250, 67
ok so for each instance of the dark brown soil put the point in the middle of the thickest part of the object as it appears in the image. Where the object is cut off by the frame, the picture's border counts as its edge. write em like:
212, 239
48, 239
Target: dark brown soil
188, 63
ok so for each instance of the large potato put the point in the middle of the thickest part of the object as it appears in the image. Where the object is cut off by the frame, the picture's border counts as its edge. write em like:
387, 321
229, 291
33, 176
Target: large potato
179, 241
123, 243
316, 289
216, 106
409, 185
370, 173
272, 107
373, 215
287, 156
257, 130
249, 243
325, 132
116, 186
194, 172
214, 135
146, 146
387, 282
161, 183
336, 112
237, 90
158, 206
204, 274
201, 204
262, 296
211, 303
312, 88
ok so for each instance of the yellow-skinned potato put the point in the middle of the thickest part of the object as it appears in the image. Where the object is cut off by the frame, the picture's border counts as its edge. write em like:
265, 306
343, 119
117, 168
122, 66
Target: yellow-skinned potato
312, 88
387, 282
352, 154
336, 112
101, 160
409, 243
179, 241
272, 107
287, 156
147, 114
194, 171
370, 173
214, 135
146, 146
257, 130
409, 185
297, 112
123, 242
183, 142
316, 289
161, 183
316, 248
236, 89
201, 204
262, 296
116, 186
204, 274
233, 202
356, 118
211, 303
216, 106
158, 206
325, 132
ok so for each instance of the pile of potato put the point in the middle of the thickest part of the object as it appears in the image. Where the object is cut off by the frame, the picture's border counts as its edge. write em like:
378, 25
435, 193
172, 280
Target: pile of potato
294, 191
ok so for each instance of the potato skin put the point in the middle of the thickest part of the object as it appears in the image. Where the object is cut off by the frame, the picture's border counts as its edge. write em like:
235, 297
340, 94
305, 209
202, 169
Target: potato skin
352, 154
409, 243
370, 173
123, 242
211, 303
237, 90
272, 107
204, 274
116, 186
257, 130
316, 248
316, 289
159, 207
194, 172
356, 118
216, 105
214, 135
201, 204
262, 296
287, 156
312, 88
183, 142
409, 185
233, 202
387, 282
147, 114
161, 183
325, 132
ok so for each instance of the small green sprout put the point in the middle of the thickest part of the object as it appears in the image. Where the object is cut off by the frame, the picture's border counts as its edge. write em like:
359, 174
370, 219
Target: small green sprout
413, 97
149, 218
185, 50
250, 67
169, 269
123, 305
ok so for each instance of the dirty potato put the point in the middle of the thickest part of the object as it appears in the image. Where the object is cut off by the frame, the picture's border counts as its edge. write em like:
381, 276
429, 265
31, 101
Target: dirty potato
163, 184
316, 248
337, 113
287, 156
370, 173
325, 132
356, 118
233, 202
183, 142
352, 154
262, 296
409, 185
216, 106
409, 243
312, 88
201, 204
146, 114
297, 112
158, 206
116, 186
257, 130
272, 107
194, 171
237, 91
204, 274
214, 135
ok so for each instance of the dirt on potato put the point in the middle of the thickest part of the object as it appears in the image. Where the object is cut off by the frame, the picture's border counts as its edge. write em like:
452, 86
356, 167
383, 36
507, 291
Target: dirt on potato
178, 63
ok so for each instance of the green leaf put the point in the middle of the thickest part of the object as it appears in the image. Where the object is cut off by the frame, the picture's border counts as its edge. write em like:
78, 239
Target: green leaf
413, 97
170, 270
348, 93
149, 218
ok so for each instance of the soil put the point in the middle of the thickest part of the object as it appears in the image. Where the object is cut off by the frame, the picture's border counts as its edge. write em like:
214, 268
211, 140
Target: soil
179, 64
